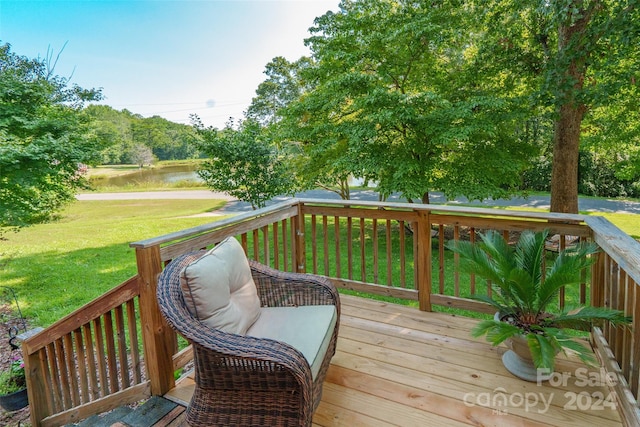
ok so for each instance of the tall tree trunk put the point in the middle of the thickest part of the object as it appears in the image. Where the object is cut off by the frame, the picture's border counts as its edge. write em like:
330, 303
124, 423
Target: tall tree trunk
572, 42
425, 198
564, 172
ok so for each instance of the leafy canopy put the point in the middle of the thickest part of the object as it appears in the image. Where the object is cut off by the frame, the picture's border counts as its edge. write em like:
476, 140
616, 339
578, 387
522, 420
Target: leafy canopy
243, 163
43, 143
389, 97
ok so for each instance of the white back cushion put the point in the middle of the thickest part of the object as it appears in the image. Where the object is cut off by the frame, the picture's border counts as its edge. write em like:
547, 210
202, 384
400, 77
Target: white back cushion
219, 290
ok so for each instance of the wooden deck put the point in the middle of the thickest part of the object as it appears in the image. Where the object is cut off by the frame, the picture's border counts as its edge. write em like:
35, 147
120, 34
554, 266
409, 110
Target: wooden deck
398, 366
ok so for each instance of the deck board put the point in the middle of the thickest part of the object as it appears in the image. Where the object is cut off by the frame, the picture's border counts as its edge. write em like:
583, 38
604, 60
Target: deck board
397, 366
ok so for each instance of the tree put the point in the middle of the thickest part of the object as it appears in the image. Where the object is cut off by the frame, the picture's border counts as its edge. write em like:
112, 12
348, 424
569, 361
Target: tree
391, 99
243, 163
141, 155
119, 132
112, 131
282, 86
43, 143
571, 56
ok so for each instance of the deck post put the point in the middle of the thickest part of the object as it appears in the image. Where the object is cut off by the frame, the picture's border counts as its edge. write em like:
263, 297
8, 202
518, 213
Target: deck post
423, 261
158, 338
37, 390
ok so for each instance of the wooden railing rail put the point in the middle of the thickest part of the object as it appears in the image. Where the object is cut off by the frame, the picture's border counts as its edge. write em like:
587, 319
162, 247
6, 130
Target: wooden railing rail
449, 227
391, 249
385, 251
618, 278
88, 362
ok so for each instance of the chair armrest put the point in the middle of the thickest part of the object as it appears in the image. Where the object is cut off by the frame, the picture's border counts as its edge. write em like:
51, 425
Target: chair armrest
281, 289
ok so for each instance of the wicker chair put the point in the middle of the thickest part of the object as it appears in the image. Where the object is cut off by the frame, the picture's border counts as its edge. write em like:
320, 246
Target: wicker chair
247, 381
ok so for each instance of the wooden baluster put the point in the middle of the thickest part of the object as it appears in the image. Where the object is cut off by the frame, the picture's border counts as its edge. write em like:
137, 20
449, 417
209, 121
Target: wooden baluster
266, 246
389, 256
314, 243
276, 247
133, 340
63, 374
82, 365
100, 356
92, 369
403, 255
325, 244
350, 247
123, 357
70, 366
363, 264
374, 241
336, 228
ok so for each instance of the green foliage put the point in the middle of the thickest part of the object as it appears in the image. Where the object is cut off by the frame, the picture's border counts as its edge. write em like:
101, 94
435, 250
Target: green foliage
389, 98
606, 175
524, 292
57, 267
13, 379
123, 136
43, 140
282, 86
243, 163
574, 63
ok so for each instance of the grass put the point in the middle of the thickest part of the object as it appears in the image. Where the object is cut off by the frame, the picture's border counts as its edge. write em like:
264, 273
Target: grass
57, 267
150, 186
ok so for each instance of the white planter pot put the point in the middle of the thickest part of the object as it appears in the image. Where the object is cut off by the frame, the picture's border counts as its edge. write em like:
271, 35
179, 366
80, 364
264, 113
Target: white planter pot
518, 361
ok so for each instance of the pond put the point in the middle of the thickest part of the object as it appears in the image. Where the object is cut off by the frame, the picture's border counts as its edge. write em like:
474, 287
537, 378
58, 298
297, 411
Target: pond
165, 174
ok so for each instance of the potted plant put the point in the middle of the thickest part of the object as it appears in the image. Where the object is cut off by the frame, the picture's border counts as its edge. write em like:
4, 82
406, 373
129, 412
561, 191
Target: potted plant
13, 386
524, 293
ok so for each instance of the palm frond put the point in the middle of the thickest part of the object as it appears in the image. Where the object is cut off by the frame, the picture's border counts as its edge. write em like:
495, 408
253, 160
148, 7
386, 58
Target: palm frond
585, 354
498, 249
567, 342
475, 260
522, 290
530, 252
543, 350
565, 271
496, 301
495, 331
586, 317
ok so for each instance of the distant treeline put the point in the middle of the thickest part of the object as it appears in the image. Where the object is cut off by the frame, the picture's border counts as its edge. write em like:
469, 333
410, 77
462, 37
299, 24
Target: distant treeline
126, 137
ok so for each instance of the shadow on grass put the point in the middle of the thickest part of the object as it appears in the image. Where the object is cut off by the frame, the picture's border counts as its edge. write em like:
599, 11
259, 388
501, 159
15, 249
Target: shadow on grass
52, 284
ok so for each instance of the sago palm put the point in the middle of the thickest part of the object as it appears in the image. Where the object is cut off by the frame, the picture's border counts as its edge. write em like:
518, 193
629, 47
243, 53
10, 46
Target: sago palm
524, 291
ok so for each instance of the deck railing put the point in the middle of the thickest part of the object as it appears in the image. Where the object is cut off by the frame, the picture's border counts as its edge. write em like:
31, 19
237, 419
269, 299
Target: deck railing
391, 249
88, 362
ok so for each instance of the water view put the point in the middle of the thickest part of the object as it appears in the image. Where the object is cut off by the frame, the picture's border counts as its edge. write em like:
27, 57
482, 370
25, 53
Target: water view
165, 174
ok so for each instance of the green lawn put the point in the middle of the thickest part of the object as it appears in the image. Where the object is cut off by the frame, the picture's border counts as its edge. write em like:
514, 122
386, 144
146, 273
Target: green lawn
57, 267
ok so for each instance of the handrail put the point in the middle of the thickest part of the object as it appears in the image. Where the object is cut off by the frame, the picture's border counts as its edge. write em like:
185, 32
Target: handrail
620, 246
200, 229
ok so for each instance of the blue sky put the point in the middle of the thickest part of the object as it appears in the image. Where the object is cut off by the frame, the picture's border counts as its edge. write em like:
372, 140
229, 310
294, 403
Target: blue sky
164, 57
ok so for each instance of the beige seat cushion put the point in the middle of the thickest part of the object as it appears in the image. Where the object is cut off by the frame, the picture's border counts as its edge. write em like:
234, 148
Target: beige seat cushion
218, 289
308, 329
